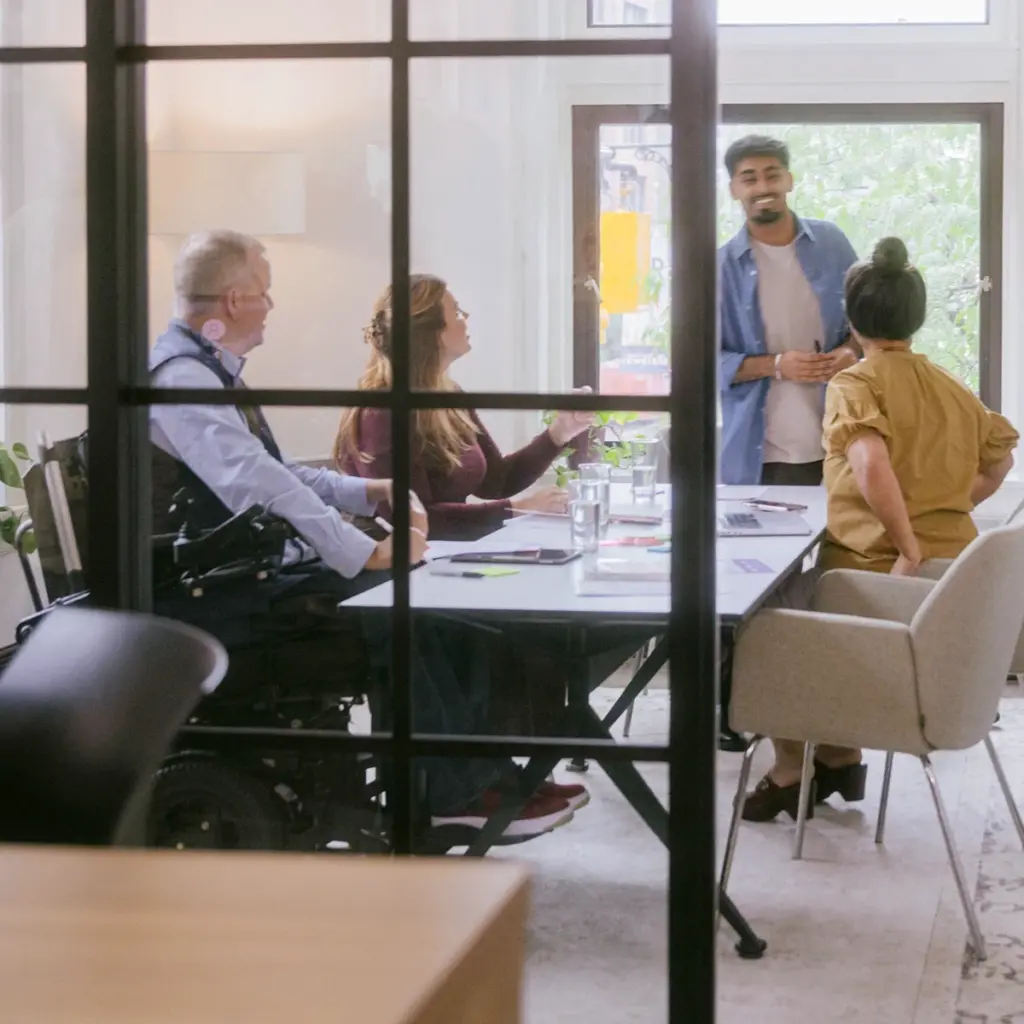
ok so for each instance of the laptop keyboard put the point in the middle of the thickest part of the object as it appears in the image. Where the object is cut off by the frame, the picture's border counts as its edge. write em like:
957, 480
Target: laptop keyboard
740, 521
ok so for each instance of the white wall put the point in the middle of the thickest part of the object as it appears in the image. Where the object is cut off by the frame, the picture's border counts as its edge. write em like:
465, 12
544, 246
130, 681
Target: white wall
491, 196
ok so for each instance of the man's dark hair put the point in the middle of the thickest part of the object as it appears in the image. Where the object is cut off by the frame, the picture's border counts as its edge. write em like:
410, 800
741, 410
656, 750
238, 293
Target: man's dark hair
886, 298
755, 145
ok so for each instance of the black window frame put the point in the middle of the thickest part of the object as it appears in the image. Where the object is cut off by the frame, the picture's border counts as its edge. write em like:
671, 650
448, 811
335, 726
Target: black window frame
118, 395
587, 121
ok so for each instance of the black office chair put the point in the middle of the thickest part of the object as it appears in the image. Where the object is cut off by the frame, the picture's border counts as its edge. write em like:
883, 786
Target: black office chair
89, 707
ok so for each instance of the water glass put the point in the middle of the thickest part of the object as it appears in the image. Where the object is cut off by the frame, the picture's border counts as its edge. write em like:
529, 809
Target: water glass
600, 474
645, 484
585, 523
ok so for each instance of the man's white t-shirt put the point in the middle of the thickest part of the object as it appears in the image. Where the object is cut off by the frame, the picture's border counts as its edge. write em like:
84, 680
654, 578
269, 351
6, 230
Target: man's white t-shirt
792, 320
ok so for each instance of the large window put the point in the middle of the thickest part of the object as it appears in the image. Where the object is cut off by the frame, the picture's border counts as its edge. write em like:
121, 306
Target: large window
929, 175
619, 13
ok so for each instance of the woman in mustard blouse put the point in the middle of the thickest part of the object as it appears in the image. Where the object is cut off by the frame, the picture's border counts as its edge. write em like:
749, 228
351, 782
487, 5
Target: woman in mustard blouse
909, 452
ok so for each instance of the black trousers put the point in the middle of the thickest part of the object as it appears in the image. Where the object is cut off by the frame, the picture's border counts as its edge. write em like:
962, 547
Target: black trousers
792, 474
449, 665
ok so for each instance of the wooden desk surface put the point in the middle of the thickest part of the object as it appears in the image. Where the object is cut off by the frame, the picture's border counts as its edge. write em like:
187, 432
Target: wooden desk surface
161, 937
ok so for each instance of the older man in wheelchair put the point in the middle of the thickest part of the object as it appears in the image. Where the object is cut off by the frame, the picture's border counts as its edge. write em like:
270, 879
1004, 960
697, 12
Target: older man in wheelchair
261, 552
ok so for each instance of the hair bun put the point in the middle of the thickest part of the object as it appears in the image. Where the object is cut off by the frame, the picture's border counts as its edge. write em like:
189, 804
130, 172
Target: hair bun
891, 256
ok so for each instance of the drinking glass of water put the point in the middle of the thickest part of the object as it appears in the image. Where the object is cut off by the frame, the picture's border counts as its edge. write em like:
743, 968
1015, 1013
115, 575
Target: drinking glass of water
599, 474
645, 483
585, 521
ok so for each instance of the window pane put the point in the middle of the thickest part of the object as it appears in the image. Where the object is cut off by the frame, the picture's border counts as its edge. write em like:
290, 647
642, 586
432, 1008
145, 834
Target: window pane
296, 154
176, 22
506, 19
801, 12
636, 258
42, 22
921, 182
42, 173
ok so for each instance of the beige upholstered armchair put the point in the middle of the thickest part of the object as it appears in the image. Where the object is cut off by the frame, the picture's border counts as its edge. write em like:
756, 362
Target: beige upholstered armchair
887, 663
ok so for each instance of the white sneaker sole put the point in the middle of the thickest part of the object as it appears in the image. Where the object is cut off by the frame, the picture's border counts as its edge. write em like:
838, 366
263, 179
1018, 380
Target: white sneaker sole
521, 828
576, 802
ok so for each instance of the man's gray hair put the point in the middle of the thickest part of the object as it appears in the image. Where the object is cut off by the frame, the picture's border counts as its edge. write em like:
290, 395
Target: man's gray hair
208, 264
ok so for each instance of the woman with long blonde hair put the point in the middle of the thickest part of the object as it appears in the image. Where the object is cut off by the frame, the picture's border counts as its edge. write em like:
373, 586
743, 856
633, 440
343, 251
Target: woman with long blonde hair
453, 456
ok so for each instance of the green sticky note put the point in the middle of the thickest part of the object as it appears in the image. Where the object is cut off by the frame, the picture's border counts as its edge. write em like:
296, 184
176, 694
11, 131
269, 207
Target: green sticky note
496, 570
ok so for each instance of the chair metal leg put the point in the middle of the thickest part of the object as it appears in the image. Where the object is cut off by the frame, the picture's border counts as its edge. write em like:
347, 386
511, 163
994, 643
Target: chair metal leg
638, 661
806, 781
628, 724
977, 939
737, 809
1004, 785
883, 806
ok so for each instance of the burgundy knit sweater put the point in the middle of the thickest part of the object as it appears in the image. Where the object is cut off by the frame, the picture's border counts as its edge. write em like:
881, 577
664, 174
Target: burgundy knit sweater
483, 472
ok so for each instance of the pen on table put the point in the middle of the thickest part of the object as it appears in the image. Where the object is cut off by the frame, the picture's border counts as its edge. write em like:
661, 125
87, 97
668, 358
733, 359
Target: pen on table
458, 573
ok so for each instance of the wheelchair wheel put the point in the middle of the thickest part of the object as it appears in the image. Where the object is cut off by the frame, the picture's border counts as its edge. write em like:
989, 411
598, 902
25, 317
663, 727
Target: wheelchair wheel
206, 804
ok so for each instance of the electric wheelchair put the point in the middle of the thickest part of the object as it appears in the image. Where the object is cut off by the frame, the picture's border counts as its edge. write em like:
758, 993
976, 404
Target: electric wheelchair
293, 666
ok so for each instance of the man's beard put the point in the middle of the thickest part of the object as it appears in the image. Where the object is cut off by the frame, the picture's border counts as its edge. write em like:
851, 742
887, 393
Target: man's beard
765, 216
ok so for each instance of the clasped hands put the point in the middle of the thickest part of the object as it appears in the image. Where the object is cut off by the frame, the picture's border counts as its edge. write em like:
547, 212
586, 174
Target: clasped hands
815, 367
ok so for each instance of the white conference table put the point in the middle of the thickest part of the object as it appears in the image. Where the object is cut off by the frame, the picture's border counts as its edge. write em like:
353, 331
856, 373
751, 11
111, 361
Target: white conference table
603, 624
550, 592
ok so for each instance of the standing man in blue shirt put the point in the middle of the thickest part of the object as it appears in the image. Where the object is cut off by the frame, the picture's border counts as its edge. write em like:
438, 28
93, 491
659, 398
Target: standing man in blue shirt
783, 328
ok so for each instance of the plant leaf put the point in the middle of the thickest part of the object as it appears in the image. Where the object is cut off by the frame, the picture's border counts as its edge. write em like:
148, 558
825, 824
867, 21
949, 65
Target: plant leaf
9, 473
20, 451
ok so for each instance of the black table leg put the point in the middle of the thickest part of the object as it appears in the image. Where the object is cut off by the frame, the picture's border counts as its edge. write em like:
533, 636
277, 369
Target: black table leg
648, 670
578, 694
633, 786
729, 740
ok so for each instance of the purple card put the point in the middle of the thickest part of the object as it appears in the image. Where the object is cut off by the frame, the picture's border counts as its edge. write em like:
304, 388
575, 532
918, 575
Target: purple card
751, 565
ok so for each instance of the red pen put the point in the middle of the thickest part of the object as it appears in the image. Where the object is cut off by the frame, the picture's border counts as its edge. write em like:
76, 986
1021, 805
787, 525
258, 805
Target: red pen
633, 542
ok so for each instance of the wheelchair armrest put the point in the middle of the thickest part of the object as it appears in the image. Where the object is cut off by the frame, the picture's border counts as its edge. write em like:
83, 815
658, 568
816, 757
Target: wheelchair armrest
256, 569
247, 535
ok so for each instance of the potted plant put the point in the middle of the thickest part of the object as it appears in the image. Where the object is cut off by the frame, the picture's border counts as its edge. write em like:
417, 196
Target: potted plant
605, 443
10, 477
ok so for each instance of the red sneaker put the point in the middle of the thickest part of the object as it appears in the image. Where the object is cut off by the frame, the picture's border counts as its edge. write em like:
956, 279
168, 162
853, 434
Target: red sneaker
574, 795
539, 815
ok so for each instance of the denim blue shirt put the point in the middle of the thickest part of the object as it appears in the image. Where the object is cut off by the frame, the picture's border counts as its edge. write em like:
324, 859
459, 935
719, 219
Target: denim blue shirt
825, 254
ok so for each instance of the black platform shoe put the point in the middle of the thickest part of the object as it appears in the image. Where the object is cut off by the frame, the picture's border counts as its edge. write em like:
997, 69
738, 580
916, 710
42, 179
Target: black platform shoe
849, 781
768, 800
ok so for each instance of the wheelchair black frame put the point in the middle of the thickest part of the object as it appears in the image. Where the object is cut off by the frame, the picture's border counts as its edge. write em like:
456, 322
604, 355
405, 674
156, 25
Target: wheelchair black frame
117, 395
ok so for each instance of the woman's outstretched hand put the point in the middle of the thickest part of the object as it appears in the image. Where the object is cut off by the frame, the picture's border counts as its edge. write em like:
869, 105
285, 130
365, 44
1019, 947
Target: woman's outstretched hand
547, 499
568, 425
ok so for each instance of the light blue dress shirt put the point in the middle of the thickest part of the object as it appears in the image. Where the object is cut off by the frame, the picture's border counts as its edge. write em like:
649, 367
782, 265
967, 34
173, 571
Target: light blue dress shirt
825, 254
215, 442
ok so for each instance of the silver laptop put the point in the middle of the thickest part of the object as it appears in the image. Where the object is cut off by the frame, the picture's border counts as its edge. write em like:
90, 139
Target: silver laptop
751, 523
